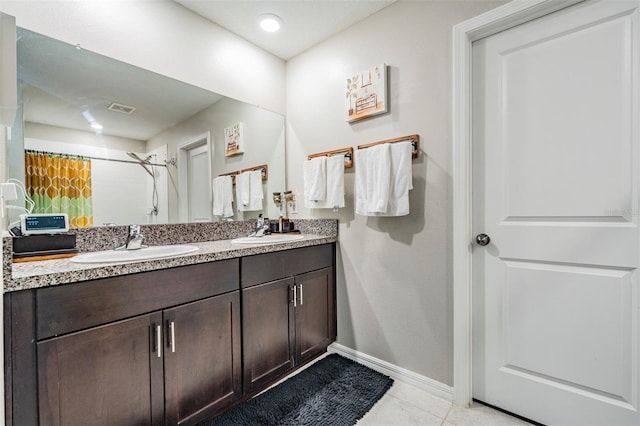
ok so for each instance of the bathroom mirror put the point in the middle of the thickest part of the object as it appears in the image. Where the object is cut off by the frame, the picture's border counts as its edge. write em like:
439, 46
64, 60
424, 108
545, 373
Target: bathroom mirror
154, 143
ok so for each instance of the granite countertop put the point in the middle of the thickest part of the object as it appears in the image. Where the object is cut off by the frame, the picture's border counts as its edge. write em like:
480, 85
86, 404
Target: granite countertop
45, 273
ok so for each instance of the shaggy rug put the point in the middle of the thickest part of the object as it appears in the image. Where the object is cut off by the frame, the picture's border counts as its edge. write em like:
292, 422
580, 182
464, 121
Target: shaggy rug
334, 391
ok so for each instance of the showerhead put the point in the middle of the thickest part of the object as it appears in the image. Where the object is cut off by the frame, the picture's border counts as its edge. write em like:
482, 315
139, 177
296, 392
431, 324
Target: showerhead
142, 162
134, 156
137, 157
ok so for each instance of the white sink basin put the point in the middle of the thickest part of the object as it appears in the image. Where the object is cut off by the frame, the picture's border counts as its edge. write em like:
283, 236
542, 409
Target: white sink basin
147, 253
268, 239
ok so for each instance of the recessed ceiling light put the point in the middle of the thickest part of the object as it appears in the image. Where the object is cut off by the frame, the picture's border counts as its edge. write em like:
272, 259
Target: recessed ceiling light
270, 22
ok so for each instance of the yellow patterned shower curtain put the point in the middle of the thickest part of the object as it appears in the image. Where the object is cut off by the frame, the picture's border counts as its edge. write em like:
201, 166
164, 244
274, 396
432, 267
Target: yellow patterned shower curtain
60, 183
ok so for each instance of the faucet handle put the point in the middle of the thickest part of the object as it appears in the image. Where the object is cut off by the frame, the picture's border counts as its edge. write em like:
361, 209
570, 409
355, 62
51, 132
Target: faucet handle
134, 230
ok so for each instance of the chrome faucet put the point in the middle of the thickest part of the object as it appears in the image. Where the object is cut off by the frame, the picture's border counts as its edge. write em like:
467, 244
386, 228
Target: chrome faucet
262, 227
134, 239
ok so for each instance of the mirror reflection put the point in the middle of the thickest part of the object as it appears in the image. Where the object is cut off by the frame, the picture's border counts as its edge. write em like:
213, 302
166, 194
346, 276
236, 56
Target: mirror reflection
153, 144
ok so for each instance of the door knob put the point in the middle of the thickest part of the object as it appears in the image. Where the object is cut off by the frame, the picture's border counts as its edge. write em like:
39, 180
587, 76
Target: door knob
483, 239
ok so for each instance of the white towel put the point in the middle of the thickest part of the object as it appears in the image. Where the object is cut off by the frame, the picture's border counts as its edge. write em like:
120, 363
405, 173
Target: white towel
249, 193
335, 181
378, 178
361, 158
255, 190
334, 198
401, 180
383, 180
243, 190
316, 178
222, 196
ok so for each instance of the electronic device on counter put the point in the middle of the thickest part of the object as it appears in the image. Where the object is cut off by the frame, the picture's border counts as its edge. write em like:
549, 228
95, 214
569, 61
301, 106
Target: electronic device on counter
44, 223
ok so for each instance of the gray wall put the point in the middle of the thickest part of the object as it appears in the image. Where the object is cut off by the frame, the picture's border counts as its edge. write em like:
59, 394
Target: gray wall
264, 144
394, 274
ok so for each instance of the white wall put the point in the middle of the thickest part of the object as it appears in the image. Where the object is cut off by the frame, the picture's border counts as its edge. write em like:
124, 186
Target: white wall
394, 274
163, 37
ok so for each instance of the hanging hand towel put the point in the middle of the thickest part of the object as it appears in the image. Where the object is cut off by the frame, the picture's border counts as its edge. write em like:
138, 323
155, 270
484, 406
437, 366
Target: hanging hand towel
383, 182
223, 196
255, 191
249, 191
373, 176
335, 182
334, 198
316, 178
243, 191
361, 158
401, 180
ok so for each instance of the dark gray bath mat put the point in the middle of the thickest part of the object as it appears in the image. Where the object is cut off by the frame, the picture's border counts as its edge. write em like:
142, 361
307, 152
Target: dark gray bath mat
334, 391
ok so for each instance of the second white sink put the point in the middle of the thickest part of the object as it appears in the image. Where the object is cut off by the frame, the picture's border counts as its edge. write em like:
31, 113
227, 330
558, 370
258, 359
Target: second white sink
268, 239
147, 253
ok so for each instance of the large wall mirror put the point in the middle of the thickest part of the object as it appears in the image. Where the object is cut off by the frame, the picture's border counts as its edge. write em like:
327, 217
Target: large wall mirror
154, 143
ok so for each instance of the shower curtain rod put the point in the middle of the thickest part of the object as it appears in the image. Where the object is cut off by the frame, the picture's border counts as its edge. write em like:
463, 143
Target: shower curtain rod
93, 158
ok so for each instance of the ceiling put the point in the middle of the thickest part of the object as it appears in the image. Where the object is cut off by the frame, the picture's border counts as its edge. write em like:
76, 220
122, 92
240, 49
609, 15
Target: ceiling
62, 84
305, 22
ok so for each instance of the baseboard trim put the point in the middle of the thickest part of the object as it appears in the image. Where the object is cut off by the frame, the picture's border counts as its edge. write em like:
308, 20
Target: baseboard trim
397, 373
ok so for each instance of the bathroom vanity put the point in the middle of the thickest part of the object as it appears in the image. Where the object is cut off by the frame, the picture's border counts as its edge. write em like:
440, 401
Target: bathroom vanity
167, 345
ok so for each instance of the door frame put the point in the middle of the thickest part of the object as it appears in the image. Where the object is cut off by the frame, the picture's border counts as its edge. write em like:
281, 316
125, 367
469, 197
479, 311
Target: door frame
183, 181
464, 34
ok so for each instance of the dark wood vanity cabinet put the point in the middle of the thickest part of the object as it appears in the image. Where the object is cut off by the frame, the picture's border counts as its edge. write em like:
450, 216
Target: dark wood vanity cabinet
289, 317
104, 375
159, 347
202, 360
171, 346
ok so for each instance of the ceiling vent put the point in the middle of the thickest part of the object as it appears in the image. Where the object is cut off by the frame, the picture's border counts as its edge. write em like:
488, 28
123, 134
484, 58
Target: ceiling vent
124, 109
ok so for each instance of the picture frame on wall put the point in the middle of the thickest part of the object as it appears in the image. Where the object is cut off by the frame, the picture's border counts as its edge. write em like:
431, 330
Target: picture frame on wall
366, 94
234, 139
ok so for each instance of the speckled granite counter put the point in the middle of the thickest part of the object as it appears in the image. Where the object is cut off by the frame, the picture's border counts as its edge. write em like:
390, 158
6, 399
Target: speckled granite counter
212, 240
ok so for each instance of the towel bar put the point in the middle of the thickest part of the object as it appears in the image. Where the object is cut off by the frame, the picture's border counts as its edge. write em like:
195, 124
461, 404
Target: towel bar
414, 139
348, 155
264, 168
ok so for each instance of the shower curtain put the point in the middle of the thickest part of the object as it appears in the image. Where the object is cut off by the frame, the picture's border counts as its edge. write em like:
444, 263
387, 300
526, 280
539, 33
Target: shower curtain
60, 183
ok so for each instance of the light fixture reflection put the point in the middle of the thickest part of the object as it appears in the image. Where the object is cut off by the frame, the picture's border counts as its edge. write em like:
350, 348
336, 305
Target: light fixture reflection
92, 121
270, 22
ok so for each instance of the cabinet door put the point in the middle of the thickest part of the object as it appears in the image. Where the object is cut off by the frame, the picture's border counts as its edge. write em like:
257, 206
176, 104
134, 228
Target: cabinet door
107, 375
267, 315
202, 357
315, 313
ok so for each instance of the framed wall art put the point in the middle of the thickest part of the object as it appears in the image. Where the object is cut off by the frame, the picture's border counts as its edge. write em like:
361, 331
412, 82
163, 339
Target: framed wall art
366, 94
234, 139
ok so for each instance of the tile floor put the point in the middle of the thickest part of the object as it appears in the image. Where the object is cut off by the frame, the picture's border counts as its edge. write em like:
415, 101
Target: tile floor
407, 405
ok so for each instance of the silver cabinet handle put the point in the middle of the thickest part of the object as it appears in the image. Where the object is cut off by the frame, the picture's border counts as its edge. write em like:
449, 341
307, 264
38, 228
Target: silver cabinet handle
301, 299
172, 333
159, 340
295, 296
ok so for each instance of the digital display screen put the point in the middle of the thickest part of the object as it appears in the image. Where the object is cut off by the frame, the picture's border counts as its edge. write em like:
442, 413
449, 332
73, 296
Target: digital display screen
44, 223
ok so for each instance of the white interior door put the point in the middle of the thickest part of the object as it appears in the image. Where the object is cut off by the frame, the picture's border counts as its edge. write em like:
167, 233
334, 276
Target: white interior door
199, 188
556, 300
